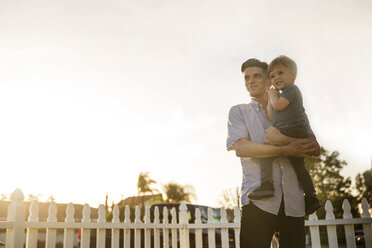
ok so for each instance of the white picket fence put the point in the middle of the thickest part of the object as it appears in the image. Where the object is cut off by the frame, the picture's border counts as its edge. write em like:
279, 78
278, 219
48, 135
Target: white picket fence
174, 234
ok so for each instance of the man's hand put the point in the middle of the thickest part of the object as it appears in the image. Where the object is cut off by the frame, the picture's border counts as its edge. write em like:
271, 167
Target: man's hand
316, 146
274, 137
301, 148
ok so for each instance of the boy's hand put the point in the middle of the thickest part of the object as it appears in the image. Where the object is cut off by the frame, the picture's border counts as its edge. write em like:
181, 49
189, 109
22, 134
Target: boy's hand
273, 92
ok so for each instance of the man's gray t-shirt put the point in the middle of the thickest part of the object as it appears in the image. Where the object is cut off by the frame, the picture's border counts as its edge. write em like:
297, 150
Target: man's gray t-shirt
294, 114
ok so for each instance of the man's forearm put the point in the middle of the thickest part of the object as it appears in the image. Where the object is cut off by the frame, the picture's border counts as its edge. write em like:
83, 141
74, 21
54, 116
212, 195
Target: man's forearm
246, 148
298, 148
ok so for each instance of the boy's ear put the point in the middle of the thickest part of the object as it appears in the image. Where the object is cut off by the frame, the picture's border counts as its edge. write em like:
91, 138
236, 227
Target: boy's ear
294, 74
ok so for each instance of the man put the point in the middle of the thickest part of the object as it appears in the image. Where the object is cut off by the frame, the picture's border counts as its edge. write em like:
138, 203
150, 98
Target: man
284, 212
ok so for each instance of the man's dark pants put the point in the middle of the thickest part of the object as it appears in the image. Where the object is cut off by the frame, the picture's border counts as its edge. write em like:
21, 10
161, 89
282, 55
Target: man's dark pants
258, 227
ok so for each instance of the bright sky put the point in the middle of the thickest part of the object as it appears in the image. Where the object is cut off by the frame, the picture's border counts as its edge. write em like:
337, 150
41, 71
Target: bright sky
94, 92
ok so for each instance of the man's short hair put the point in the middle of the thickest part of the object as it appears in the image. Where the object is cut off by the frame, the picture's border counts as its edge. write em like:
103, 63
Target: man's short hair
283, 60
254, 63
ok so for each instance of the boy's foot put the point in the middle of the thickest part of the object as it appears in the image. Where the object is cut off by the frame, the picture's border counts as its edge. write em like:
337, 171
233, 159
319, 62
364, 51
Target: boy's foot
266, 190
312, 203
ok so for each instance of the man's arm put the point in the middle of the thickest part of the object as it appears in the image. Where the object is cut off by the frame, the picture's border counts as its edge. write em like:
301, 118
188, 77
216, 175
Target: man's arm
274, 137
298, 148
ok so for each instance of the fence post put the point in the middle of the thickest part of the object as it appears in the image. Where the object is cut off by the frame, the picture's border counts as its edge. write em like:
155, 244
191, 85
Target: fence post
16, 214
184, 221
367, 229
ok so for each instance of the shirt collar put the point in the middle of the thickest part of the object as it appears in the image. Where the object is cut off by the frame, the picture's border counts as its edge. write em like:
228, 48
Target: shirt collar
257, 106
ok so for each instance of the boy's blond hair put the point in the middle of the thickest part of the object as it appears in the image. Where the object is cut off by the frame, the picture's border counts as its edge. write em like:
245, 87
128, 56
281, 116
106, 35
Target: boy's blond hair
282, 60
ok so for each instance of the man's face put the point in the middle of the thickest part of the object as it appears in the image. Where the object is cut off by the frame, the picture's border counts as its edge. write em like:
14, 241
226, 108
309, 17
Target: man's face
255, 81
281, 77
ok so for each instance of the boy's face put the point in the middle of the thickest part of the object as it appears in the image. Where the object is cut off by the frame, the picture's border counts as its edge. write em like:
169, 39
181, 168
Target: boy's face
281, 77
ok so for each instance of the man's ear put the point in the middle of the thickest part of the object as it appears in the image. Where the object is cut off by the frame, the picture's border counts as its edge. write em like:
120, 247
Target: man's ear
268, 84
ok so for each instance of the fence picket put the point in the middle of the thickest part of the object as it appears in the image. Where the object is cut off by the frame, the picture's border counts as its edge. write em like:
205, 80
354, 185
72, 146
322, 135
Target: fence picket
198, 231
165, 230
68, 241
331, 229
31, 240
349, 228
115, 233
314, 232
367, 228
224, 231
211, 231
85, 232
51, 233
237, 229
137, 232
156, 230
184, 220
101, 232
127, 230
147, 230
174, 230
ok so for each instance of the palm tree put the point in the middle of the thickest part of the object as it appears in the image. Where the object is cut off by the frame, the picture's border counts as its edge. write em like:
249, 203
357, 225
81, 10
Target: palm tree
177, 193
144, 183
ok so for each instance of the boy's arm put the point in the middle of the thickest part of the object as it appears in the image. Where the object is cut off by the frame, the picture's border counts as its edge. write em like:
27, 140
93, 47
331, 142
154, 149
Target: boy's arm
269, 110
274, 137
277, 102
298, 148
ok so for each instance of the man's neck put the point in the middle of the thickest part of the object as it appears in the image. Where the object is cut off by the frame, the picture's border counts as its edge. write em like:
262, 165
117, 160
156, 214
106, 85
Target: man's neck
262, 99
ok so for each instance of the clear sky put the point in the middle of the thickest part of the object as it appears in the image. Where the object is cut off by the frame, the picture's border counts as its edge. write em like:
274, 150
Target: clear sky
94, 92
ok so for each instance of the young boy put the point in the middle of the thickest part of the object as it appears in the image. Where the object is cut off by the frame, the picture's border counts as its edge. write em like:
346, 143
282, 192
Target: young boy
288, 115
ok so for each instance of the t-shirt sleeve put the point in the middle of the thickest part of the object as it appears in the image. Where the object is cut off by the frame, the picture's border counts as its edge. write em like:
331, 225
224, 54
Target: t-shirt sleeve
236, 128
307, 123
290, 93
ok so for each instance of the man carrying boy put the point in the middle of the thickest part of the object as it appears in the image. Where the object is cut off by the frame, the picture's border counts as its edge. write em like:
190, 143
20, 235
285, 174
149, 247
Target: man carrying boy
284, 212
288, 115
